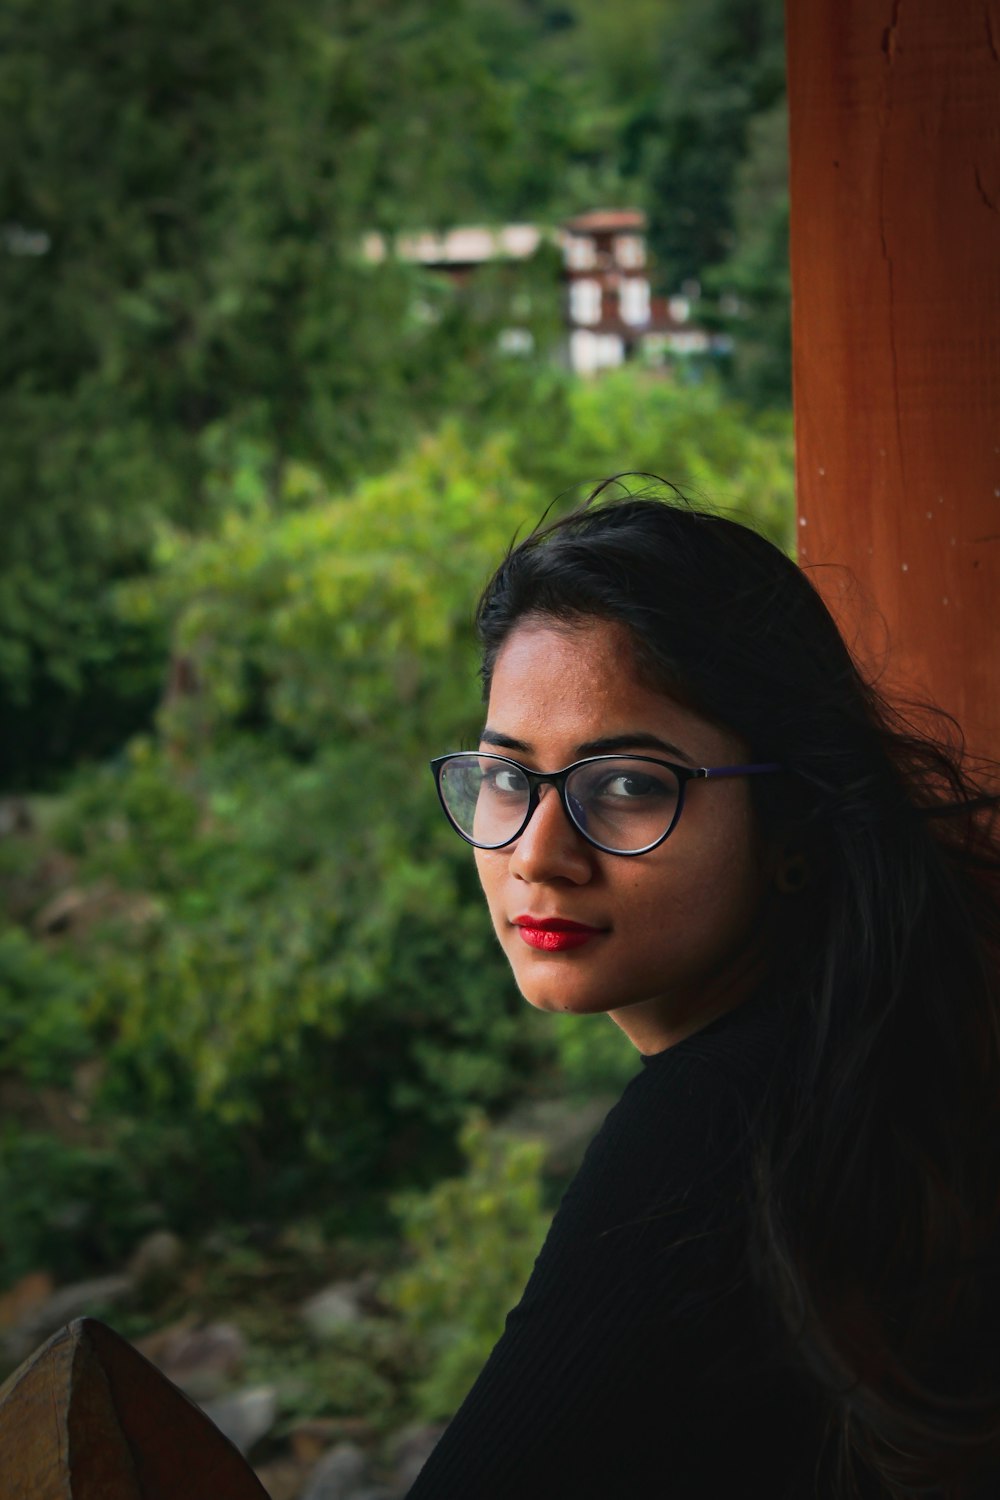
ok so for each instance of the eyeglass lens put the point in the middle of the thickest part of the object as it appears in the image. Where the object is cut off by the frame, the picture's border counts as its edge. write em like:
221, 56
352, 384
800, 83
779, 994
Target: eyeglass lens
623, 804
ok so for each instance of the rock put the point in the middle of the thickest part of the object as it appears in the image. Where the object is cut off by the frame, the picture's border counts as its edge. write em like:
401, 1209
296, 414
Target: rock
15, 817
336, 1306
411, 1448
87, 1079
81, 1299
24, 1296
311, 1438
202, 1361
245, 1416
156, 1263
282, 1478
79, 908
53, 1111
58, 914
339, 1474
564, 1128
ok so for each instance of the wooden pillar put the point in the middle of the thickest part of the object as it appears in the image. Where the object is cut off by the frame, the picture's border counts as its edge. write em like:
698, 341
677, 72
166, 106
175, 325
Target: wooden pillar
895, 250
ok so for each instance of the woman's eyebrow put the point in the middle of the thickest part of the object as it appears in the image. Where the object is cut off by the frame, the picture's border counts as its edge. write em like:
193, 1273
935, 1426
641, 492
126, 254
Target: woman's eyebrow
503, 741
611, 744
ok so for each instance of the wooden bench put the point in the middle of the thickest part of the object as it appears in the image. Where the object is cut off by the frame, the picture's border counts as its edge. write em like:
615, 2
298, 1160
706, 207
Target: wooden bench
86, 1417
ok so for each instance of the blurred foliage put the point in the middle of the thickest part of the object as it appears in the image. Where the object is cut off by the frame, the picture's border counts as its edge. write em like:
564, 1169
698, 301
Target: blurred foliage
67, 1208
473, 1240
717, 452
253, 482
43, 1017
754, 283
184, 193
723, 64
311, 972
289, 979
594, 1061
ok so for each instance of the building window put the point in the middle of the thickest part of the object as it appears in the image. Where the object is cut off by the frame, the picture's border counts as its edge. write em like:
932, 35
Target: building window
581, 252
590, 352
585, 301
633, 301
630, 251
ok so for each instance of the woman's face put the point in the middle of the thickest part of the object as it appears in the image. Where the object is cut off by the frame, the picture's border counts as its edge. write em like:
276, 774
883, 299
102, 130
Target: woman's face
673, 944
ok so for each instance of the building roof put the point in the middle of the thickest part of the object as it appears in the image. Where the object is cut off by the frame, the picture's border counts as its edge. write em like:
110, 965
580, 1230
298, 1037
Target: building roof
465, 246
475, 244
607, 218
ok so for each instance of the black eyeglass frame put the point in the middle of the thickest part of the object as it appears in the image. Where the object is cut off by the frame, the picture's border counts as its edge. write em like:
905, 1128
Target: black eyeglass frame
537, 779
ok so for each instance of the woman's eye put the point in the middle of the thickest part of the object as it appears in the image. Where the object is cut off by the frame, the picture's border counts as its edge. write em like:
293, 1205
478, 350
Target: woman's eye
504, 781
632, 787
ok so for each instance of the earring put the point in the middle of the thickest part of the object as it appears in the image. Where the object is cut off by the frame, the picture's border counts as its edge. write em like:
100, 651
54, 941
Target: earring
792, 875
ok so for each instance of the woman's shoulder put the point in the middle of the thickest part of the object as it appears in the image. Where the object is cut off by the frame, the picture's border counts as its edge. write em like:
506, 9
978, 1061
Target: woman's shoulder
683, 1128
728, 1066
743, 1041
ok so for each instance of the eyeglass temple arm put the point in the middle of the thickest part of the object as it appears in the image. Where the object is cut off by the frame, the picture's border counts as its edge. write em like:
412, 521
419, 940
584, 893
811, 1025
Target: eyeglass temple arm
715, 773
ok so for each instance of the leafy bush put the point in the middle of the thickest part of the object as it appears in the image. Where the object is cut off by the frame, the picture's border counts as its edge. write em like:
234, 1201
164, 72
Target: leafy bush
595, 1057
43, 1028
473, 1240
66, 1207
313, 982
721, 454
299, 998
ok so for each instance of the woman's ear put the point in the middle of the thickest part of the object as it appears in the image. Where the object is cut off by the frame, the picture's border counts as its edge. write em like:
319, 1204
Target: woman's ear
791, 873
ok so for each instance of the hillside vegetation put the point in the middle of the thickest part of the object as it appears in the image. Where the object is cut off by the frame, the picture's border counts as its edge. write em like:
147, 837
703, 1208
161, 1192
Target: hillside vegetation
252, 488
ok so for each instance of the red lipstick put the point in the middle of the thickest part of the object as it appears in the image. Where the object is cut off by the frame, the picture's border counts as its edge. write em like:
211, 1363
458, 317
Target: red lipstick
554, 934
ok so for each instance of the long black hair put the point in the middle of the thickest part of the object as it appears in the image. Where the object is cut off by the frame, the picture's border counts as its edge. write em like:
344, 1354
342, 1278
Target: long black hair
877, 1170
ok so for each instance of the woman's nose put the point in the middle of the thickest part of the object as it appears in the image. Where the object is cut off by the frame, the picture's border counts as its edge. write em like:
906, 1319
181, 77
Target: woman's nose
550, 848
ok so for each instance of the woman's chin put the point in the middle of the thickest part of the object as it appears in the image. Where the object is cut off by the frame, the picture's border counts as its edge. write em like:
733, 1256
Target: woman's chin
563, 1001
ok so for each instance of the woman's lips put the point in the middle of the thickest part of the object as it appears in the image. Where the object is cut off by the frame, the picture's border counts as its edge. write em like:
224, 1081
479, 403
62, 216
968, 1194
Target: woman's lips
554, 934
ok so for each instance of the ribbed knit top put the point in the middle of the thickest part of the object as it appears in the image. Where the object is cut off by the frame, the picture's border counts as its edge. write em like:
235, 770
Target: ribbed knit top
641, 1360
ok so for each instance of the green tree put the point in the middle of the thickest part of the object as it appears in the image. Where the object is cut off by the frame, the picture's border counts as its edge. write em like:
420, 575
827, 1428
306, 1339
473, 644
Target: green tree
755, 282
198, 183
723, 63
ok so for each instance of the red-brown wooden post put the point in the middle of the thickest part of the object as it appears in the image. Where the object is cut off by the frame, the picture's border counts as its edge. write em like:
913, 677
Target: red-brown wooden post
895, 249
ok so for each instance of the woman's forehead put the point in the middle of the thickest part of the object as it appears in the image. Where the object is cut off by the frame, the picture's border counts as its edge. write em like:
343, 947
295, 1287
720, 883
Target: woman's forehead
583, 660
579, 681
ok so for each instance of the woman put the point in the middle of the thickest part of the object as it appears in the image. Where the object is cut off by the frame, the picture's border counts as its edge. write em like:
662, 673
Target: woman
776, 1272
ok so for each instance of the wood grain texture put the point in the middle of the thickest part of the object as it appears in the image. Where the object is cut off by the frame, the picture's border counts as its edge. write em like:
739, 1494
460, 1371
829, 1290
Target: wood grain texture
88, 1418
895, 251
34, 1438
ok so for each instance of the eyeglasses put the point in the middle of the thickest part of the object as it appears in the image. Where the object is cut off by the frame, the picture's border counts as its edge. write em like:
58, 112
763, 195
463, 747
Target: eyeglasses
622, 804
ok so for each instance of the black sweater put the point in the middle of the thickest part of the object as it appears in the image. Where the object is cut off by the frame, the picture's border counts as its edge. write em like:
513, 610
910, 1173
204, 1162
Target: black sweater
641, 1360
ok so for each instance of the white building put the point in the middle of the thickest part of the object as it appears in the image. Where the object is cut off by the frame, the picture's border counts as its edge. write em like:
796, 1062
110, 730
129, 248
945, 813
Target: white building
611, 314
